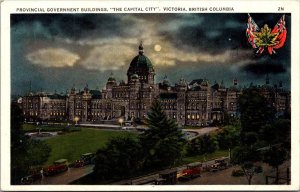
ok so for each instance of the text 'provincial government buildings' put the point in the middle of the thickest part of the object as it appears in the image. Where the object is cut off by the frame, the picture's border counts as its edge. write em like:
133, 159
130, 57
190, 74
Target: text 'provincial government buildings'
196, 103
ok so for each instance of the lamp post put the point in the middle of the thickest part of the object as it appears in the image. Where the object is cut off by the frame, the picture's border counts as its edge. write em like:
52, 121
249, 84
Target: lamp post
121, 120
76, 119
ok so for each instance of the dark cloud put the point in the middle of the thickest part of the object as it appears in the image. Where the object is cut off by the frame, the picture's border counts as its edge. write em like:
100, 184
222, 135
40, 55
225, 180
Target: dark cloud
264, 68
197, 33
72, 26
219, 32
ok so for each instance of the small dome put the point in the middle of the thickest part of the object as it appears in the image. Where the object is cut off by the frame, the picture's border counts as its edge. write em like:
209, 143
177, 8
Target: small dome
166, 81
86, 88
134, 76
182, 82
111, 79
204, 82
122, 82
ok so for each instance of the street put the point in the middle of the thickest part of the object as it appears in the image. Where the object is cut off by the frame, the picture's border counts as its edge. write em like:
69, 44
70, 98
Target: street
224, 177
66, 177
201, 131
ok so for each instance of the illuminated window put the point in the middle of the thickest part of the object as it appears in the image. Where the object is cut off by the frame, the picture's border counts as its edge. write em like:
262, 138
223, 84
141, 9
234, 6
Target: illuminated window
193, 116
189, 116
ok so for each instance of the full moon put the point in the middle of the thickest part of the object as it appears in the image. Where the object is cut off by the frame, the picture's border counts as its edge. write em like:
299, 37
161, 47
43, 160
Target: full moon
157, 47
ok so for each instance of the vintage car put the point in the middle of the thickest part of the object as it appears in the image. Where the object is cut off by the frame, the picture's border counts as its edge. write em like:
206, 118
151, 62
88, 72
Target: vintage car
59, 166
33, 176
87, 158
193, 170
220, 164
77, 164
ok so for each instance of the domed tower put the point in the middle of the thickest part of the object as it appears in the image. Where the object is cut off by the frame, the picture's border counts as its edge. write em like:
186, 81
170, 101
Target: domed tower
182, 84
111, 82
141, 66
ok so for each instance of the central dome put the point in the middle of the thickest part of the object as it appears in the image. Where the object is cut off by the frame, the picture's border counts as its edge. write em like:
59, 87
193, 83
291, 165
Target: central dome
141, 61
142, 66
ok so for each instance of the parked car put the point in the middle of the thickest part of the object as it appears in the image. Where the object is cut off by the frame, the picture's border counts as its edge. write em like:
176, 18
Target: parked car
33, 176
27, 180
220, 164
77, 164
167, 177
193, 170
85, 159
88, 158
59, 166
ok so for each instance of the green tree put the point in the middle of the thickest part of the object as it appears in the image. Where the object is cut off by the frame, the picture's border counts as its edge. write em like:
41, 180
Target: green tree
277, 132
121, 157
163, 142
275, 156
19, 167
247, 158
228, 137
202, 145
230, 120
255, 111
37, 152
25, 153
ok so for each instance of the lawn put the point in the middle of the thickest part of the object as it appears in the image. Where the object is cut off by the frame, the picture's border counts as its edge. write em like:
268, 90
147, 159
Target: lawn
70, 146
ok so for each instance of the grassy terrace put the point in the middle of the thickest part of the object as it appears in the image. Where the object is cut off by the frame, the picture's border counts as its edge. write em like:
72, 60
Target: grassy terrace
70, 146
76, 141
79, 140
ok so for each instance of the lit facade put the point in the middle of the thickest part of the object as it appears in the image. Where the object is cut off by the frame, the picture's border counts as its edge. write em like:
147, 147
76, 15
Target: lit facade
196, 103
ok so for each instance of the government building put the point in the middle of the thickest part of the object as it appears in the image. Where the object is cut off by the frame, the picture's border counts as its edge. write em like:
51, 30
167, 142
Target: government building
195, 103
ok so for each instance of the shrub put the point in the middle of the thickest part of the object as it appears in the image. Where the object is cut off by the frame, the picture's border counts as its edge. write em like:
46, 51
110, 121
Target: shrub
237, 173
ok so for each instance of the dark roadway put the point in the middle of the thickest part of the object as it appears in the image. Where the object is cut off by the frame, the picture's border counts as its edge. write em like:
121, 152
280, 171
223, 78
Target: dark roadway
67, 177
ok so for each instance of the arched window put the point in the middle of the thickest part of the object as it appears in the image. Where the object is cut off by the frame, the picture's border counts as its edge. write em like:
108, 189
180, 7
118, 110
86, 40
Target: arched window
174, 106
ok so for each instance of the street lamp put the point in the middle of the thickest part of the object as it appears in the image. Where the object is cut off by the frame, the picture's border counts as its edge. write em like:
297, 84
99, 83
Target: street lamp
121, 120
76, 119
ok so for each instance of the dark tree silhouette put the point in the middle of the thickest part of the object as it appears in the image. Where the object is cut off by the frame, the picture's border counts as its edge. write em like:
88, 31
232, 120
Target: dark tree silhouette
247, 158
122, 157
275, 156
25, 153
163, 142
255, 111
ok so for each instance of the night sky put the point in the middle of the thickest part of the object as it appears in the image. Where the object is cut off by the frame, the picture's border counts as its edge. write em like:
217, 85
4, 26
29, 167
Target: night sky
56, 51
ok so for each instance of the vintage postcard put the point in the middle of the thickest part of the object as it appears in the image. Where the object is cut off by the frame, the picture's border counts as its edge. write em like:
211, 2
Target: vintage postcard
150, 95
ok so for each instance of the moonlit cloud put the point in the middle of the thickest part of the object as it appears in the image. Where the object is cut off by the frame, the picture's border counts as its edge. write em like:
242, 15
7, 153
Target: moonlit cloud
107, 57
53, 57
